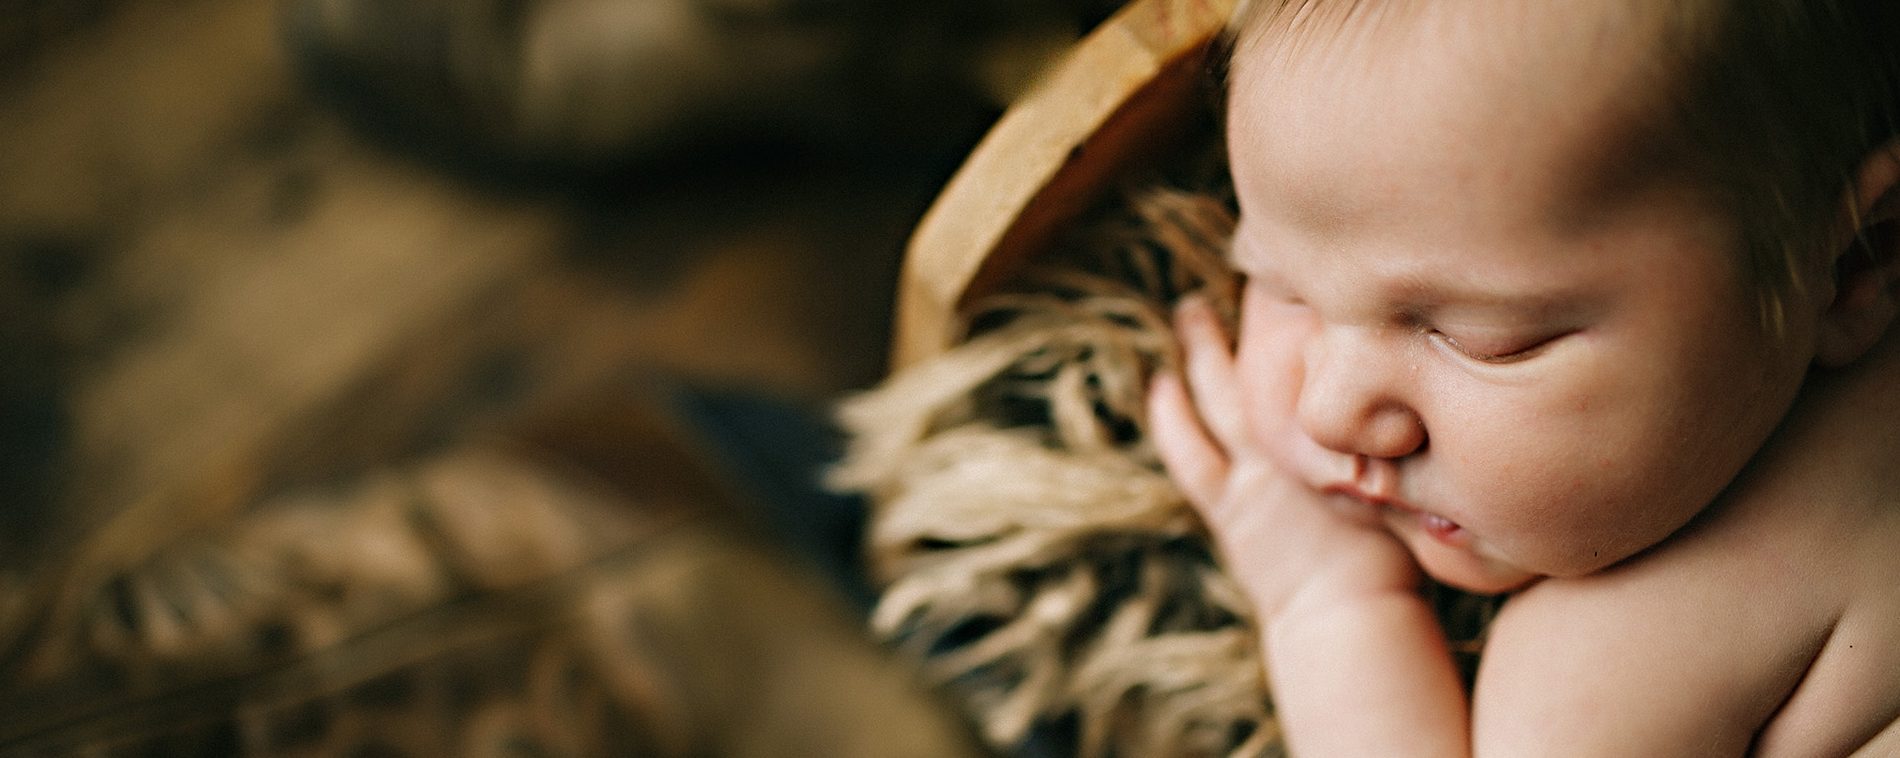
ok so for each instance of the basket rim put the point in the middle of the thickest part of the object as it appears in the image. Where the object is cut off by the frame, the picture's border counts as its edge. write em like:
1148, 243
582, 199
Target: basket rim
1109, 101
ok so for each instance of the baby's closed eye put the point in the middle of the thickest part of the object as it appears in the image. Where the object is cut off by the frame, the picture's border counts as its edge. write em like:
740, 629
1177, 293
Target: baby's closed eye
1497, 347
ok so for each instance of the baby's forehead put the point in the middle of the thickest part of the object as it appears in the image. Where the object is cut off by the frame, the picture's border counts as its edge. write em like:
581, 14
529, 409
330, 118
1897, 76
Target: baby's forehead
1495, 26
1548, 100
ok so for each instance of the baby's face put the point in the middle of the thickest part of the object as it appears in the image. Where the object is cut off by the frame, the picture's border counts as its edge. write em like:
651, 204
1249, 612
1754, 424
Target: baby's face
1447, 314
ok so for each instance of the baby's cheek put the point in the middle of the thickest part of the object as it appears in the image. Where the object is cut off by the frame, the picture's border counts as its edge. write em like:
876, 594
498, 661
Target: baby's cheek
1271, 343
1573, 509
1261, 368
1270, 374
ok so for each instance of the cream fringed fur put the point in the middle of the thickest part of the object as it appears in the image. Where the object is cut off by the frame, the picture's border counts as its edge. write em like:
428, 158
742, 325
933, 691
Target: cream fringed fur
1033, 551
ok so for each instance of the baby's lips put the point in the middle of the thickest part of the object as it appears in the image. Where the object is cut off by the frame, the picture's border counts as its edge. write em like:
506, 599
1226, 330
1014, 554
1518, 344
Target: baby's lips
1443, 529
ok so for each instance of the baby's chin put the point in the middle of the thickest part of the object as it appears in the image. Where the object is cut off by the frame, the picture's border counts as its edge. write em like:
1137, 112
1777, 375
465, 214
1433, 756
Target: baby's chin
1467, 570
1488, 584
1454, 557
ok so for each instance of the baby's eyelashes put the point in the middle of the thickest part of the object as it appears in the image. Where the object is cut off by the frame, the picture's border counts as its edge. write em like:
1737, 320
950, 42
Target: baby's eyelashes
1494, 350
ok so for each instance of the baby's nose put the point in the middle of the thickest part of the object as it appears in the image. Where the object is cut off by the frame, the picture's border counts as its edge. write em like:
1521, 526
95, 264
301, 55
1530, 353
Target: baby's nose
1350, 403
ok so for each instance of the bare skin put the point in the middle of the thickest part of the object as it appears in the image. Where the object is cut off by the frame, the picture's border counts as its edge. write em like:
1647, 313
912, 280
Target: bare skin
1446, 367
1764, 628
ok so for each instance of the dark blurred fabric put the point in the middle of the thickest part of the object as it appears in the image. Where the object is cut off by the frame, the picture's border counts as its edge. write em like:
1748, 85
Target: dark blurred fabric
260, 260
588, 84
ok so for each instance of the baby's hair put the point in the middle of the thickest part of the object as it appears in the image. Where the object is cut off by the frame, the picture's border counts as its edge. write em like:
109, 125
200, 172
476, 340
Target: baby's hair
1768, 106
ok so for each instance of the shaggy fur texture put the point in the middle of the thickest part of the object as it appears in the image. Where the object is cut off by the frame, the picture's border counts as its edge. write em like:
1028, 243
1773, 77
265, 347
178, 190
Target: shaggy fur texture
1035, 553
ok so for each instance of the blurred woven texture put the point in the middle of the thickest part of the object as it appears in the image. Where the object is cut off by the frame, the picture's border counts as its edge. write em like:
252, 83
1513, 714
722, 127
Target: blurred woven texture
473, 605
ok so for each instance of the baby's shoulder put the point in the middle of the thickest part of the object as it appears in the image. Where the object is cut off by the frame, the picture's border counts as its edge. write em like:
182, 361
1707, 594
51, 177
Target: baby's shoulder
1773, 622
1847, 693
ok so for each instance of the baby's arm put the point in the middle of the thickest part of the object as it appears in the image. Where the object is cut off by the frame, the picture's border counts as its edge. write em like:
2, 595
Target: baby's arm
1356, 660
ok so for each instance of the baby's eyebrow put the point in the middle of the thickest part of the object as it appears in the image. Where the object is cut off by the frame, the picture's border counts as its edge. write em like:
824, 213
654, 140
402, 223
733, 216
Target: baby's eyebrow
1443, 294
1423, 292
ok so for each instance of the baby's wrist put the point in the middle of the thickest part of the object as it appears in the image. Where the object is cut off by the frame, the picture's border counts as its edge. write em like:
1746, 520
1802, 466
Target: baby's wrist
1312, 609
1328, 593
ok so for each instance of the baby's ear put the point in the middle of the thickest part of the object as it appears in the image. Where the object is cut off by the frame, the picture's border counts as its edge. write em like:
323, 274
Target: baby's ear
1866, 270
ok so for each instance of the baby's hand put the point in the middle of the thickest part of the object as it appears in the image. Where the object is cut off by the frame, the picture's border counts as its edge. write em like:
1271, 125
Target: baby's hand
1291, 546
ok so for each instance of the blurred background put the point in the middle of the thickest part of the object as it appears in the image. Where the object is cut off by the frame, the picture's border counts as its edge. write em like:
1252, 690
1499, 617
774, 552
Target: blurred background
448, 376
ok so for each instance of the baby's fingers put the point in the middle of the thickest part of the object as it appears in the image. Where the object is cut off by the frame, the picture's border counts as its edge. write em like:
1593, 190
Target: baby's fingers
1197, 464
1210, 372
